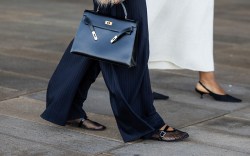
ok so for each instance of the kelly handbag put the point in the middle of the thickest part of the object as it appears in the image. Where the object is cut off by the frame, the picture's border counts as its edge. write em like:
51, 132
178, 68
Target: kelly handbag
106, 39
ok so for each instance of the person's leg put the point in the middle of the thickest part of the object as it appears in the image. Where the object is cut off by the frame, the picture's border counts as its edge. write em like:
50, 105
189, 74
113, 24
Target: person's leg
208, 79
129, 88
208, 85
76, 111
77, 116
68, 87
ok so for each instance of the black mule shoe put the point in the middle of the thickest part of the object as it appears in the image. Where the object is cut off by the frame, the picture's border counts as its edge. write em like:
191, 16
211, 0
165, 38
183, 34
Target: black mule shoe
158, 96
169, 136
217, 97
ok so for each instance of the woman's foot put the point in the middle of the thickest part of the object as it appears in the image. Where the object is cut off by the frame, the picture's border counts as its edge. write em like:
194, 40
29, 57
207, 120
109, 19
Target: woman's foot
169, 134
208, 79
208, 85
217, 97
212, 86
86, 124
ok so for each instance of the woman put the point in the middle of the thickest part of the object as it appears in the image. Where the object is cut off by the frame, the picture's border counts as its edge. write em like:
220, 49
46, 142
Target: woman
181, 37
130, 91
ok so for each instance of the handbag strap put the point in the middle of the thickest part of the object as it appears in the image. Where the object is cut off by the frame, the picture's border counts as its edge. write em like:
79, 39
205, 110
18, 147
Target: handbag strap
122, 33
123, 7
92, 29
127, 31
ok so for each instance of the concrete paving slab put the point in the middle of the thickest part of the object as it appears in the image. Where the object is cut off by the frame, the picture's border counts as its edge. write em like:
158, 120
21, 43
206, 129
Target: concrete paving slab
23, 108
242, 114
41, 96
17, 40
222, 46
225, 31
13, 85
105, 154
36, 68
10, 145
32, 53
235, 51
186, 80
186, 148
181, 89
181, 115
22, 82
30, 109
7, 93
45, 18
192, 98
55, 136
225, 75
235, 57
219, 138
176, 113
97, 100
234, 126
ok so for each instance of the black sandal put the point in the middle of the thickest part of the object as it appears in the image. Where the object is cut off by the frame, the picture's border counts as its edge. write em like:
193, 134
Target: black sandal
169, 136
88, 124
158, 96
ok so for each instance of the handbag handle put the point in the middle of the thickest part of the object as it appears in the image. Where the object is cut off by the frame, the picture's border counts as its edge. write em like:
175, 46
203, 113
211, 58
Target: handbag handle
124, 10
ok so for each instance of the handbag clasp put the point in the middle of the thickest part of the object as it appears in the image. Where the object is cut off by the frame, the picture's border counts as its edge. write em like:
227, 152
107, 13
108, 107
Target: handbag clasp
108, 23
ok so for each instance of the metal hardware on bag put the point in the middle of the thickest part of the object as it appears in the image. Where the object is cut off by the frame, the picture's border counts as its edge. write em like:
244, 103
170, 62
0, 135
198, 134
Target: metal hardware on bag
114, 39
127, 31
108, 23
94, 35
91, 27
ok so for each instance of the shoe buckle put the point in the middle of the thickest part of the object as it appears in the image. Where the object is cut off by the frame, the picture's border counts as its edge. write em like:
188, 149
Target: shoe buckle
162, 134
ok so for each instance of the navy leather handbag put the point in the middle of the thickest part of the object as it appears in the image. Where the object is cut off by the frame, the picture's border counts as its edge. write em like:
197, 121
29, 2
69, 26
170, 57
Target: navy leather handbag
106, 38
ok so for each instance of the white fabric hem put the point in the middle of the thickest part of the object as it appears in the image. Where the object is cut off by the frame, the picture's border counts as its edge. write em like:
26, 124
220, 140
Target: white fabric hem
163, 65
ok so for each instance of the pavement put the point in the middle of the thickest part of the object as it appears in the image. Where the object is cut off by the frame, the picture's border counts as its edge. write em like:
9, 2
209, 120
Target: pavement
33, 37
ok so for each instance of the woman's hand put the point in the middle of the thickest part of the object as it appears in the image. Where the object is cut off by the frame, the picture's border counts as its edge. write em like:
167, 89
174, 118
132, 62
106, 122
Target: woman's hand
107, 2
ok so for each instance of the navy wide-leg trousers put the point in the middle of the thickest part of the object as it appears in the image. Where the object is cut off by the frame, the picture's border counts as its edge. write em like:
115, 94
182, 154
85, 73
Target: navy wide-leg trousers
129, 88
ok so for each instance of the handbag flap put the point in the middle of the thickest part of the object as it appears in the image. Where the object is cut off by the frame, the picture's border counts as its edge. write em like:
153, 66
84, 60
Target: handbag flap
108, 23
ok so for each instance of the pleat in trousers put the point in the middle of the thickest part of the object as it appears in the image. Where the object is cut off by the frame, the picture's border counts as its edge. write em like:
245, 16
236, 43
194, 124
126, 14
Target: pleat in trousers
129, 88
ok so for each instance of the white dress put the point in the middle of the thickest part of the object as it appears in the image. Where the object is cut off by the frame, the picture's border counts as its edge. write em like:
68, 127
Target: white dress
181, 34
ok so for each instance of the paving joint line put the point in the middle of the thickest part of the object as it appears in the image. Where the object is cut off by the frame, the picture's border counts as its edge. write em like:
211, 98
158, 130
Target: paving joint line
199, 122
63, 127
235, 117
42, 143
23, 75
22, 95
220, 131
120, 146
212, 145
30, 58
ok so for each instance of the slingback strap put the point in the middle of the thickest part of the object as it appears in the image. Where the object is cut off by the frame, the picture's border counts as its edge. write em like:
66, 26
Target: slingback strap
127, 31
164, 132
205, 87
81, 122
92, 29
